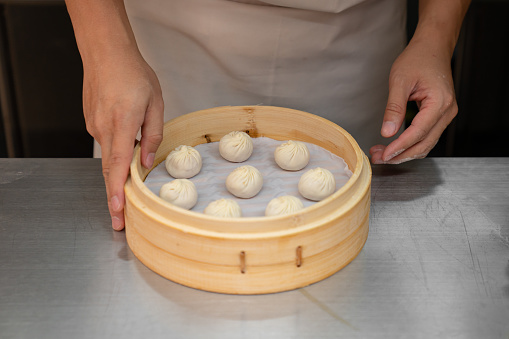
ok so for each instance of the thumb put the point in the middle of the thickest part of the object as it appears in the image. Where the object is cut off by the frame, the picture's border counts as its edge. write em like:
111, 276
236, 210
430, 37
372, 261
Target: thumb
152, 132
396, 109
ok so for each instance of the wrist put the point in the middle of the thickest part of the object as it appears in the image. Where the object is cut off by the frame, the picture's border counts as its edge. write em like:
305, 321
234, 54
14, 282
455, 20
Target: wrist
439, 25
102, 29
435, 41
108, 51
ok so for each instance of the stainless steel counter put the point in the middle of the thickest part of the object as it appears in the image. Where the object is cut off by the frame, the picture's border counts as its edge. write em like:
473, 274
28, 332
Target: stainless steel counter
436, 264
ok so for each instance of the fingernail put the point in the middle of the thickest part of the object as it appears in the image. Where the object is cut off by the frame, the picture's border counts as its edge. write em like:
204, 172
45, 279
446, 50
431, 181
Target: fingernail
115, 204
395, 154
116, 223
150, 159
388, 128
376, 149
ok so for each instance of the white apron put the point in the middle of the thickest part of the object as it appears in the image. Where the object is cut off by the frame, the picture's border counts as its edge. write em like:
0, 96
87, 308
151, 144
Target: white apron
327, 57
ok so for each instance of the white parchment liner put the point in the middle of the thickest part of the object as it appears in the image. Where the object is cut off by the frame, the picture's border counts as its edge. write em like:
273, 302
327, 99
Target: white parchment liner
210, 182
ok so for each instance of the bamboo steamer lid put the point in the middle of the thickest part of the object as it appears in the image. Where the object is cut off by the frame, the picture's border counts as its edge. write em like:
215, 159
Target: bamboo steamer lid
250, 255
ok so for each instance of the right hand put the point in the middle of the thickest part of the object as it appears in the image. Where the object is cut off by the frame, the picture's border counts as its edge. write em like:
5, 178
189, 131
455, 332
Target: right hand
121, 94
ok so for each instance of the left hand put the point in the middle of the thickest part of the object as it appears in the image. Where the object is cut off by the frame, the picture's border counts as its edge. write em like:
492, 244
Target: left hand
421, 74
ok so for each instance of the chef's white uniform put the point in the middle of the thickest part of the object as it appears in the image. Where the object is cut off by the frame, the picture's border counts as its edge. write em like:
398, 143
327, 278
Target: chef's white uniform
327, 57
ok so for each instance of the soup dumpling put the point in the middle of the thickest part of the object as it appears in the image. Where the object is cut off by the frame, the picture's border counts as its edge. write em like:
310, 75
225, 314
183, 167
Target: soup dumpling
180, 192
224, 208
283, 205
292, 155
317, 184
236, 146
244, 182
183, 162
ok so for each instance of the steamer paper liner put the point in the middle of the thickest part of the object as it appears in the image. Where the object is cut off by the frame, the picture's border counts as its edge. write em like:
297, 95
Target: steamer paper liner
210, 182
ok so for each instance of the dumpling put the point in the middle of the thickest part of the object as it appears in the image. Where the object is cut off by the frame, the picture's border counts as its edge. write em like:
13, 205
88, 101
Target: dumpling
283, 205
236, 146
225, 208
244, 182
317, 184
183, 162
180, 192
292, 155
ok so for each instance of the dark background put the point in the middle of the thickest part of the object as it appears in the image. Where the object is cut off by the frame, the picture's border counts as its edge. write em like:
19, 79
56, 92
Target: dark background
41, 79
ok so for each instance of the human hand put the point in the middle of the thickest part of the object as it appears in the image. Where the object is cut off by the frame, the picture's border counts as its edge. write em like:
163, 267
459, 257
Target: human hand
121, 93
421, 74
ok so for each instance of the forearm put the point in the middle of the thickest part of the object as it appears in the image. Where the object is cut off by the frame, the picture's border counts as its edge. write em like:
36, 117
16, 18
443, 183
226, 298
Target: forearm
440, 23
101, 28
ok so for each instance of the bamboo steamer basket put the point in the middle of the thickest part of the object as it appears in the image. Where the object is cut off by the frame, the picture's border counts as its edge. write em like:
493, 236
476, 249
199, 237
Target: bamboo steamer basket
253, 255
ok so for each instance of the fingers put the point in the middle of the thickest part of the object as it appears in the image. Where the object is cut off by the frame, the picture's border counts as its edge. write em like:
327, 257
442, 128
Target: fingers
432, 113
376, 154
395, 110
152, 133
117, 157
420, 149
376, 149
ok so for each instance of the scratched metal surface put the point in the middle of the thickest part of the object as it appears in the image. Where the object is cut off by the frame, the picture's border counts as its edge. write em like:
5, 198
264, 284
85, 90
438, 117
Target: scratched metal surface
436, 264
